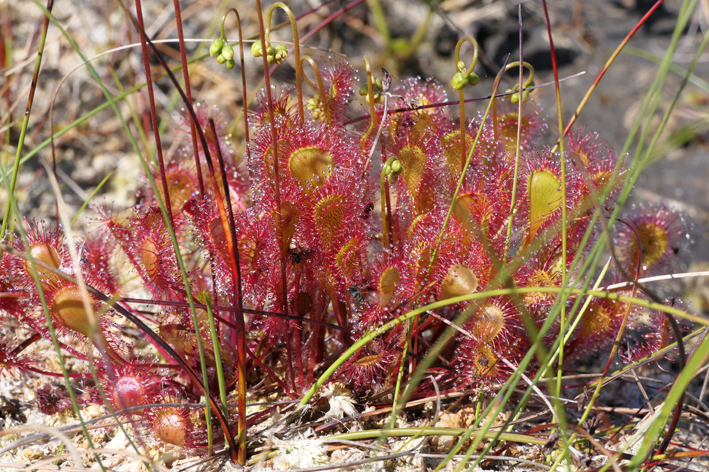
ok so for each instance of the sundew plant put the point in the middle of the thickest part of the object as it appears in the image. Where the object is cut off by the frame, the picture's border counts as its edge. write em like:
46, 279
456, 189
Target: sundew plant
353, 238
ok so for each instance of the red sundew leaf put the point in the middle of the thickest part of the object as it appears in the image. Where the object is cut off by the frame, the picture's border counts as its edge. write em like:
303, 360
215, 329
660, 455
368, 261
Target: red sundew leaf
131, 385
477, 365
146, 241
653, 235
97, 266
47, 244
11, 361
453, 152
366, 371
533, 126
339, 78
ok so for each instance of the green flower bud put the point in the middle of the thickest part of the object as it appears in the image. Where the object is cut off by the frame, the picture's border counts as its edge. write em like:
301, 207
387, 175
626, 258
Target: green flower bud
364, 90
221, 59
230, 64
396, 167
280, 53
459, 81
216, 47
378, 83
473, 79
228, 52
378, 97
460, 66
257, 49
514, 98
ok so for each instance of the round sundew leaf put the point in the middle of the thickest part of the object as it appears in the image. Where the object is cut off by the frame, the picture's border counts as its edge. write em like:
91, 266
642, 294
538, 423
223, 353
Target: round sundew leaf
424, 125
68, 306
368, 361
461, 209
172, 330
46, 253
485, 362
653, 243
221, 240
508, 131
311, 166
418, 220
180, 186
387, 285
544, 193
489, 321
601, 178
413, 161
328, 213
583, 157
248, 249
347, 259
544, 279
129, 392
459, 281
149, 254
455, 155
425, 254
472, 210
170, 426
597, 320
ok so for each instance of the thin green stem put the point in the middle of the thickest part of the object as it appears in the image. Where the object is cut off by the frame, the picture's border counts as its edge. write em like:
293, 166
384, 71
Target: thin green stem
561, 299
397, 388
398, 432
26, 121
93, 194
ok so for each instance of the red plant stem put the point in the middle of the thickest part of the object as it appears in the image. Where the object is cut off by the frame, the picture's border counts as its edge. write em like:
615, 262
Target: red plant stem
153, 111
225, 207
276, 175
290, 376
339, 316
25, 344
257, 416
188, 92
15, 295
227, 308
607, 65
54, 374
4, 57
296, 335
316, 339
